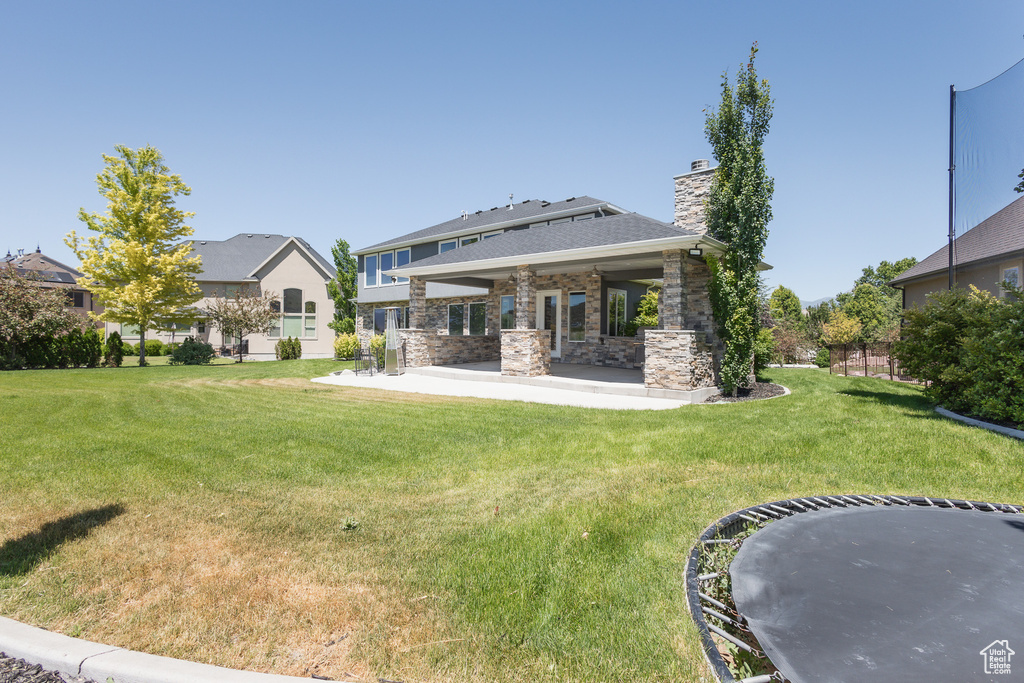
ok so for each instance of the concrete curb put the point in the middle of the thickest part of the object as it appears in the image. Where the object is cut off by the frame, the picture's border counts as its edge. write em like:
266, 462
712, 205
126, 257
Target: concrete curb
1005, 431
75, 657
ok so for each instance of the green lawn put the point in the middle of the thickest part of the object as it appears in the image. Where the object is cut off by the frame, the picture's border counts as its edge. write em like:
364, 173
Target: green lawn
200, 512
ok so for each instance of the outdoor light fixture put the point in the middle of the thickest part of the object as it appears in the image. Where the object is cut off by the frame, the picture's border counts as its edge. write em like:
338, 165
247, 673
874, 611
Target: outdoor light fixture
697, 251
395, 279
512, 279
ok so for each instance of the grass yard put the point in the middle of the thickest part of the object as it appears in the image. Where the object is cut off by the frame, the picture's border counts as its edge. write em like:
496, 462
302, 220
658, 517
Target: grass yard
206, 513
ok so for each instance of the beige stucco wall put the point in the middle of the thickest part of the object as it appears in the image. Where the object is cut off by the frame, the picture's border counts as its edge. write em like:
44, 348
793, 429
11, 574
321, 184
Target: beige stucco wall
986, 276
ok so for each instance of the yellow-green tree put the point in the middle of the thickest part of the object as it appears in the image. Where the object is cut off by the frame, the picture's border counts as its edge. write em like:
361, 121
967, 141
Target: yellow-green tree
138, 267
841, 329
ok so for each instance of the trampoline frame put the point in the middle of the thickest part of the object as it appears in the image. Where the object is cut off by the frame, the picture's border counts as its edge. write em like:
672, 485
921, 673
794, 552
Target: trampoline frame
725, 530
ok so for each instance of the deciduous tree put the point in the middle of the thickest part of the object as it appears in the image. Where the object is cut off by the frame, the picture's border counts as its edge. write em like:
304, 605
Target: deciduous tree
137, 267
785, 305
738, 213
28, 310
343, 289
244, 313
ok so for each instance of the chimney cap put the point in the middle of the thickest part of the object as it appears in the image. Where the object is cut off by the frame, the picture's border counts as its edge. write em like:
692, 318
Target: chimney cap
699, 165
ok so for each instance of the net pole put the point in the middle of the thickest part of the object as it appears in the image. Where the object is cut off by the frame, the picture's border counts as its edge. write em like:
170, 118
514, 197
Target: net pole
952, 169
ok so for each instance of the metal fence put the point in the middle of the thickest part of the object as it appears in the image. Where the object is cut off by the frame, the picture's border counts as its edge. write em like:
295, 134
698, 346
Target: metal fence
866, 360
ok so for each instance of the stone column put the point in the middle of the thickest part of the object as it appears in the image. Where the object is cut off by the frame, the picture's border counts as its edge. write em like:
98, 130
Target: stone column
417, 303
526, 299
672, 303
594, 304
691, 192
525, 353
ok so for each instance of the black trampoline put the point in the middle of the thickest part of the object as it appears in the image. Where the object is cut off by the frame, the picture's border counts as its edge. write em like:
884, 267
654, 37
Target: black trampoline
863, 588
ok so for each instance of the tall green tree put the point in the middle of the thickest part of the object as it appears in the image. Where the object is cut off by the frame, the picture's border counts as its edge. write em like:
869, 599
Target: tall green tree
343, 289
138, 266
738, 212
785, 305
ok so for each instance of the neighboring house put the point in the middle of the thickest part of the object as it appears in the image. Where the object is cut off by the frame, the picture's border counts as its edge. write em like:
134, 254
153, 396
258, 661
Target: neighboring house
537, 282
52, 274
286, 266
986, 255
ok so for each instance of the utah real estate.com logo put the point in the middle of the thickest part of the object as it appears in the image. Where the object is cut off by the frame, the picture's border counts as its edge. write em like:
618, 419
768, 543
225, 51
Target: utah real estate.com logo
997, 657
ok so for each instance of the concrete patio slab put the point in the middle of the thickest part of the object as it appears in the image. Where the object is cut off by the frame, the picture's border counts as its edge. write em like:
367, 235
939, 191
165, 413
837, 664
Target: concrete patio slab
581, 386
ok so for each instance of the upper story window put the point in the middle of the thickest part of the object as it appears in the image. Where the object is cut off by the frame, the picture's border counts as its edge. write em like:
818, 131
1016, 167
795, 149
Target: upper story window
449, 245
376, 265
298, 316
469, 239
493, 233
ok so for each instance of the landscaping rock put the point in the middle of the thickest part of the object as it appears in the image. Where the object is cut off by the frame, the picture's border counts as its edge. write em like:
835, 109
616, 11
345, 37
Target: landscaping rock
760, 390
19, 671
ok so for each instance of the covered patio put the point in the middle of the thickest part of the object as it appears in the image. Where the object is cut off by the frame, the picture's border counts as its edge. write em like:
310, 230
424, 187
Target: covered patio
547, 303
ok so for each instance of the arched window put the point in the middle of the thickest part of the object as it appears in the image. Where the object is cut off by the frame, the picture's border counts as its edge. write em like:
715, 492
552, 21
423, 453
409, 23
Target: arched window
298, 317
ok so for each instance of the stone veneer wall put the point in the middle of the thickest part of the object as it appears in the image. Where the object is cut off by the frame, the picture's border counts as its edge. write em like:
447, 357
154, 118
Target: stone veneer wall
451, 349
691, 191
433, 346
525, 353
678, 359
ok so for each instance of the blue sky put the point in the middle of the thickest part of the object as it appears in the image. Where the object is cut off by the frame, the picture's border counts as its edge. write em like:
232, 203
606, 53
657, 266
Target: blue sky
367, 120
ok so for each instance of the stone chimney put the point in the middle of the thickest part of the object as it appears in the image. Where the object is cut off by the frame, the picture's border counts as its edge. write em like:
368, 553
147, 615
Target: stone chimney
691, 190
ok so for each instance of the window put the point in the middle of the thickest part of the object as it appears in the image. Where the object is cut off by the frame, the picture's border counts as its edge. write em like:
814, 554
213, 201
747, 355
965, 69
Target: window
402, 259
469, 240
404, 323
456, 319
508, 312
616, 313
380, 320
371, 270
76, 299
201, 328
494, 233
128, 330
299, 319
448, 246
478, 318
387, 262
577, 316
1012, 276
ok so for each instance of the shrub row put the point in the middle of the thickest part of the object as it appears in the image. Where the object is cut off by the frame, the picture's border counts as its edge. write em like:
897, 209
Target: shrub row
969, 347
73, 350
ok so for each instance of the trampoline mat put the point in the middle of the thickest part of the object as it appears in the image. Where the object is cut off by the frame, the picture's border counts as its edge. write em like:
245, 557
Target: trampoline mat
886, 593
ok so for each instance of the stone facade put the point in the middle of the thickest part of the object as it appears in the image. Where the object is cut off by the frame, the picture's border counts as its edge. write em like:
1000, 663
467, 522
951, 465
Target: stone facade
672, 302
691, 191
678, 359
525, 353
450, 349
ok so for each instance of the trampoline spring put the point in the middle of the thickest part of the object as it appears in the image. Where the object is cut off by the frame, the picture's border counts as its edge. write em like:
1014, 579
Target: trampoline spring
781, 509
852, 501
717, 541
900, 500
883, 501
750, 519
810, 504
716, 603
803, 508
836, 500
949, 503
736, 641
769, 512
823, 502
708, 577
970, 506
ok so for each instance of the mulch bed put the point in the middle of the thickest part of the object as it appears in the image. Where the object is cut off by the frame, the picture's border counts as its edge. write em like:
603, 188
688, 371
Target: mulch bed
19, 671
760, 390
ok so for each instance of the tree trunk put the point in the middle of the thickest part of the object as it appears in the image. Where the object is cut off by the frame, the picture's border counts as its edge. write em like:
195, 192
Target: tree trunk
142, 347
239, 349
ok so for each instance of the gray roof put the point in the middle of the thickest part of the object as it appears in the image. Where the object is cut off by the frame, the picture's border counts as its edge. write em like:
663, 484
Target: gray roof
480, 220
596, 232
234, 259
999, 234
